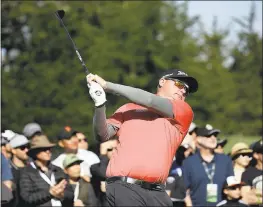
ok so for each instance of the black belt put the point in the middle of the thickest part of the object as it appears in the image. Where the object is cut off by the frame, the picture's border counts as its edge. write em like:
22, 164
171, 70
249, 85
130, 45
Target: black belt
143, 184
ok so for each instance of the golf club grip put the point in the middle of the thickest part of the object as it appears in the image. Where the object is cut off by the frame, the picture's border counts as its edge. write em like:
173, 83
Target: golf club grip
82, 62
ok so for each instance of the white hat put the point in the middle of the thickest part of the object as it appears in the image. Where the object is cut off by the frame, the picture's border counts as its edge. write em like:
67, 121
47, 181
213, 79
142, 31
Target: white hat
18, 140
192, 127
8, 134
232, 181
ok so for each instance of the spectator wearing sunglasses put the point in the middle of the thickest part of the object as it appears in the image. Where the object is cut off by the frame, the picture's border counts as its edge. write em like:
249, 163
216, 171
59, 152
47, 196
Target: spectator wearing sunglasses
41, 183
205, 172
20, 146
83, 142
231, 193
69, 142
241, 156
220, 145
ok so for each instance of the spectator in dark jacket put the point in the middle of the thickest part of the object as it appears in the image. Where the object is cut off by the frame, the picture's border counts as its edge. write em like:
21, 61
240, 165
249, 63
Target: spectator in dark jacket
83, 191
41, 183
99, 170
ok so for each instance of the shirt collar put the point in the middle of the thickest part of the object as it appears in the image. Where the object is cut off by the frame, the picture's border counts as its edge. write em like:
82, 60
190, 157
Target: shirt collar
50, 167
202, 160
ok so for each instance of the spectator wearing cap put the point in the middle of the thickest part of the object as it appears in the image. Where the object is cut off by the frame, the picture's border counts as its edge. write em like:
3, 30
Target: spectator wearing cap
241, 156
83, 141
31, 130
6, 136
231, 193
253, 176
20, 146
205, 172
98, 170
220, 145
83, 191
190, 138
41, 183
69, 142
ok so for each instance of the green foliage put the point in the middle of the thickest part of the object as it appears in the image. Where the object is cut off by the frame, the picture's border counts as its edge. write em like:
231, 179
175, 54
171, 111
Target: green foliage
127, 42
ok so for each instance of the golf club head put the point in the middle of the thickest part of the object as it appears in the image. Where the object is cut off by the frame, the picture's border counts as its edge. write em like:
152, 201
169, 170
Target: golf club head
60, 13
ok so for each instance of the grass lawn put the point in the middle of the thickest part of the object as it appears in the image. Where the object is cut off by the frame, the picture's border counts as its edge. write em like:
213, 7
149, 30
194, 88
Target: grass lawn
239, 138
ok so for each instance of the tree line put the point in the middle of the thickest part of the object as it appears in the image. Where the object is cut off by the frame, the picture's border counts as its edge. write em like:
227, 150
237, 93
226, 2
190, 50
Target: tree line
128, 43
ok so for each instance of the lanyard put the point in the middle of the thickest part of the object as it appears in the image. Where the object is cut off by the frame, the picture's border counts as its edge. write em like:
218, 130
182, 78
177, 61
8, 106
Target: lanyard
51, 182
210, 173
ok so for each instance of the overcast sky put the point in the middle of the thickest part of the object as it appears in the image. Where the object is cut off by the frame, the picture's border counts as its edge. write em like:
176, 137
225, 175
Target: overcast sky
225, 10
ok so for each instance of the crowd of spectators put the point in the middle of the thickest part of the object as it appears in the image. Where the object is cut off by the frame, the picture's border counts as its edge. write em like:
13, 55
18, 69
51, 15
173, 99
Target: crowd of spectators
202, 174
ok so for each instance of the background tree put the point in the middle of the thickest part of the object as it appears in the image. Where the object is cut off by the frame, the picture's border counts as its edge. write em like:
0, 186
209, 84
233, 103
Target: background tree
127, 42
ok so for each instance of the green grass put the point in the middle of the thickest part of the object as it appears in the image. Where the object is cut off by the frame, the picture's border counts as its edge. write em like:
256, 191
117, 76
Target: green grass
239, 138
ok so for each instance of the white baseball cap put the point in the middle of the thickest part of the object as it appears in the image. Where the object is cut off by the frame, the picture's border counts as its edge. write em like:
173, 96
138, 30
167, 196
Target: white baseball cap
8, 134
18, 140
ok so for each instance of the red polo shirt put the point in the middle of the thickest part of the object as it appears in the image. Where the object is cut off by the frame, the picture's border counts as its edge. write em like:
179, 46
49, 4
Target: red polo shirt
147, 141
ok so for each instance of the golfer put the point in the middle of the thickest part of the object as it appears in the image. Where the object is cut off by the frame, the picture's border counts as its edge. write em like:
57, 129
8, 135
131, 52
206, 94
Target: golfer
150, 129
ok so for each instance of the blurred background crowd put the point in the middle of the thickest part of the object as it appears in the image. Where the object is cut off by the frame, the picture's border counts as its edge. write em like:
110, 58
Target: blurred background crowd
45, 97
80, 172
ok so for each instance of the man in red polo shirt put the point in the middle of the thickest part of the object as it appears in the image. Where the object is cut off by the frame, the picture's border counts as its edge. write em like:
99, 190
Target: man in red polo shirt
150, 129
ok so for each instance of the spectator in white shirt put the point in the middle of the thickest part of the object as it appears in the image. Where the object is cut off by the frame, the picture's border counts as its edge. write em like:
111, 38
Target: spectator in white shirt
69, 142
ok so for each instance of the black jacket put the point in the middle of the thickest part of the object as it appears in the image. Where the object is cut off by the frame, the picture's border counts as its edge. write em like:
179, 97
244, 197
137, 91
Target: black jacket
34, 190
98, 172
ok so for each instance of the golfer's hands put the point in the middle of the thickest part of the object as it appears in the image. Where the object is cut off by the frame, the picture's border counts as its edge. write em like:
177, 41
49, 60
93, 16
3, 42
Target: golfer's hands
97, 93
91, 77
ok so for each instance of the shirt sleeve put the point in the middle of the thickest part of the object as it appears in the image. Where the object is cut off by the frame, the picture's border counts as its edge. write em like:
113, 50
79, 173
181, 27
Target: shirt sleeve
183, 115
6, 172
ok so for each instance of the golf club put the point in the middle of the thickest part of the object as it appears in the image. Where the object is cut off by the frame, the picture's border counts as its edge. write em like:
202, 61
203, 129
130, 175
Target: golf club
60, 14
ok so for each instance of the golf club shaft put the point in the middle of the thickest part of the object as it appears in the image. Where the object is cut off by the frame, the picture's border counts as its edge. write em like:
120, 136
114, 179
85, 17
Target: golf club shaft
74, 45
